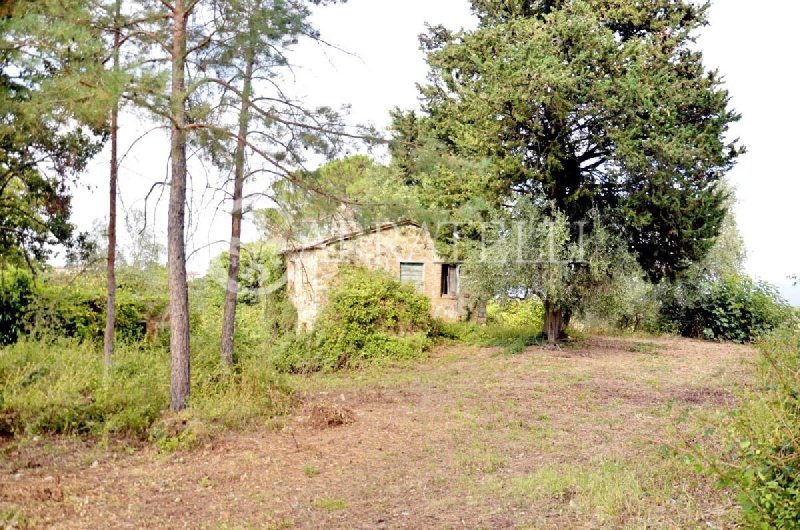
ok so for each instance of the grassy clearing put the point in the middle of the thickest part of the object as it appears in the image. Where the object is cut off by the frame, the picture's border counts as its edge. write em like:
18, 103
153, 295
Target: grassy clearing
580, 437
596, 448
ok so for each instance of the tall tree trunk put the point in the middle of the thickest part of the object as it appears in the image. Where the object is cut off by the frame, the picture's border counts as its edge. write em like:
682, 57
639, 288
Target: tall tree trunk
176, 244
232, 287
555, 322
111, 265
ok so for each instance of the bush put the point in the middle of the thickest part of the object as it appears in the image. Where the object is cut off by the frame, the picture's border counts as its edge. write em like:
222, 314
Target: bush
370, 317
16, 297
734, 309
766, 448
76, 307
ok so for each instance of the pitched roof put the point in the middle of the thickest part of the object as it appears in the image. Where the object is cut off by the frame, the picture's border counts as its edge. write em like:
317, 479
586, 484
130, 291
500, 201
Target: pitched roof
351, 235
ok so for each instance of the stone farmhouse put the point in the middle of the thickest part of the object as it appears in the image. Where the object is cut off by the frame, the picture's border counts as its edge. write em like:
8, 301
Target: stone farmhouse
403, 249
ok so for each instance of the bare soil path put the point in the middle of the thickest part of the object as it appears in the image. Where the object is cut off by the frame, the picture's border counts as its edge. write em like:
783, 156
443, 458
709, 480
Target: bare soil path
582, 437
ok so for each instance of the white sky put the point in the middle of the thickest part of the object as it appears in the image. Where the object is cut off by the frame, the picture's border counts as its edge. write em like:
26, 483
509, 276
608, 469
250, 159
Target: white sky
756, 50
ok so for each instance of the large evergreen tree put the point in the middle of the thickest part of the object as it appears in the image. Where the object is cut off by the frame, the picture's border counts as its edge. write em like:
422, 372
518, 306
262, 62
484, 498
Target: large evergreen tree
584, 105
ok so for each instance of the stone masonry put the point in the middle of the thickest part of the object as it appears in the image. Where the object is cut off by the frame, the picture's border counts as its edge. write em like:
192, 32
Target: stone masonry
391, 247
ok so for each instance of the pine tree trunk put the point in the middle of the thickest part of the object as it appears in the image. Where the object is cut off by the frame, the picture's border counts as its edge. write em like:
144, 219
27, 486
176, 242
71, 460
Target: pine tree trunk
555, 322
111, 265
232, 286
176, 246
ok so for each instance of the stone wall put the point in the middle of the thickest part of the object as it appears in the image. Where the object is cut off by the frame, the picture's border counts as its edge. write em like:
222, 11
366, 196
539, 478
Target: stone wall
311, 272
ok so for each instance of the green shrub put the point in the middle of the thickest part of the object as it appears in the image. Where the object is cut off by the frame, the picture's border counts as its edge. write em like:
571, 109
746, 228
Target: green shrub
76, 306
66, 305
16, 297
370, 317
765, 468
732, 309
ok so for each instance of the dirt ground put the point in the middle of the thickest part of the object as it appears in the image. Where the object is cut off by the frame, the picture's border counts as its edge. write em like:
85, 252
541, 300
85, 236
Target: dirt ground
588, 436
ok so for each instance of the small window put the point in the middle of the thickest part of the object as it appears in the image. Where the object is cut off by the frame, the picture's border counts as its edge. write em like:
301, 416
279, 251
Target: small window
412, 273
450, 275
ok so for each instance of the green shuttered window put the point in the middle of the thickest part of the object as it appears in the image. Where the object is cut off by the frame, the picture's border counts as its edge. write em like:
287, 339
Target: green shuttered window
412, 273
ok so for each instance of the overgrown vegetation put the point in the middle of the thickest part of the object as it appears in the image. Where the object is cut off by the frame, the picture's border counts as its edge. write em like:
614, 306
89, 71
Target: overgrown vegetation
513, 325
16, 297
370, 317
734, 308
764, 463
72, 304
59, 385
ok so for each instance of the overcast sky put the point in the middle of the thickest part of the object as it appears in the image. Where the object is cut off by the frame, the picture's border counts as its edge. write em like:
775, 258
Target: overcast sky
755, 48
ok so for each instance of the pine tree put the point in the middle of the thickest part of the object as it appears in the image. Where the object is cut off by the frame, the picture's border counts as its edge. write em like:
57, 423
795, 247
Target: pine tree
180, 371
273, 133
254, 39
111, 265
209, 47
52, 123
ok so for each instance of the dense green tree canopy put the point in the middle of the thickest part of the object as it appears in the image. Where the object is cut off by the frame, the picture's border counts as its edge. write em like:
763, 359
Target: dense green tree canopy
338, 197
583, 105
49, 129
